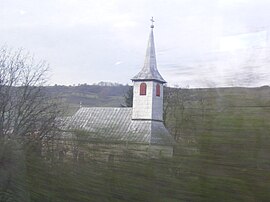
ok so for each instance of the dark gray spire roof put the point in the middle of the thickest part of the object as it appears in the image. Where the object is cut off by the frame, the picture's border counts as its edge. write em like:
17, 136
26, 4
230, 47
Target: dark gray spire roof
149, 70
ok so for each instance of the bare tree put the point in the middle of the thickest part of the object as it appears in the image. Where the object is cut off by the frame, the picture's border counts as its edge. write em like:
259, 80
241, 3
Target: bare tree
175, 105
26, 111
128, 96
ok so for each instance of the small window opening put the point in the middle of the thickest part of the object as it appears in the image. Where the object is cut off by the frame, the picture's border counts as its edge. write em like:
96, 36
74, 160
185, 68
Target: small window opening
158, 90
143, 89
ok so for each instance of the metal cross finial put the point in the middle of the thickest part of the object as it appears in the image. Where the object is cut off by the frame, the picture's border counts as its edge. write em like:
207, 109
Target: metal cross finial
152, 20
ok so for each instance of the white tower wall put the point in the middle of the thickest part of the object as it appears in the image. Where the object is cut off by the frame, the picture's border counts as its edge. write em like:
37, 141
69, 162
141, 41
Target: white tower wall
149, 106
157, 107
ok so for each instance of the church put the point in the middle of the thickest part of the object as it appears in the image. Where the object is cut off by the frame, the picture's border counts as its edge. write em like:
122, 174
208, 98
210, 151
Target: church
140, 127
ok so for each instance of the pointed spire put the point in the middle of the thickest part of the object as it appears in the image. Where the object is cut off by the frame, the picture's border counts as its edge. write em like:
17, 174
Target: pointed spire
149, 70
152, 20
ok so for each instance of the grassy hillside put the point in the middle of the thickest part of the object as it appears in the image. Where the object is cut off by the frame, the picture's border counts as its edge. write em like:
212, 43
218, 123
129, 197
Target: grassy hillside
223, 109
89, 96
95, 95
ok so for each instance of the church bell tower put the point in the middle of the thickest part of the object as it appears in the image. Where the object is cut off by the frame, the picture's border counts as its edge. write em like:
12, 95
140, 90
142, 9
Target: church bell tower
148, 87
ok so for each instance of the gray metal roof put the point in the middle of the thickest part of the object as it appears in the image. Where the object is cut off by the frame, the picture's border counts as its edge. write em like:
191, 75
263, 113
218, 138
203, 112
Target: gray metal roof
115, 124
149, 70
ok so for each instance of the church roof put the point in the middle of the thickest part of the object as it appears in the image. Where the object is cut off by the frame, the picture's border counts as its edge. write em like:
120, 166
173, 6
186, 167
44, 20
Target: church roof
149, 70
116, 124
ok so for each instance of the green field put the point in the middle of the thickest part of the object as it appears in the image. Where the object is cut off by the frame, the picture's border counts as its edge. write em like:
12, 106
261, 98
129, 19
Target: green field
222, 154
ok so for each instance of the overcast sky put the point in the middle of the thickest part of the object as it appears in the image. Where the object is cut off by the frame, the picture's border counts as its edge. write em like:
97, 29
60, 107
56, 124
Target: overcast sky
199, 43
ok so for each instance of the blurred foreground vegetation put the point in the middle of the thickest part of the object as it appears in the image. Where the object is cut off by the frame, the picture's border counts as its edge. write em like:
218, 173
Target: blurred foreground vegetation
222, 155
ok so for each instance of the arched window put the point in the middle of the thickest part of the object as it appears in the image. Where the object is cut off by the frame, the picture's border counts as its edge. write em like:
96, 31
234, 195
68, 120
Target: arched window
158, 90
143, 89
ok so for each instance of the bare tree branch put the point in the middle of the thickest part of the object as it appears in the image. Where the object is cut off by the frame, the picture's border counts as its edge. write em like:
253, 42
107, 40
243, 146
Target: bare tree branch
26, 111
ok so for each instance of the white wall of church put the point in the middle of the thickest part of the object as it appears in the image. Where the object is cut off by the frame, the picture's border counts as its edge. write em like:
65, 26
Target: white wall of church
157, 107
147, 106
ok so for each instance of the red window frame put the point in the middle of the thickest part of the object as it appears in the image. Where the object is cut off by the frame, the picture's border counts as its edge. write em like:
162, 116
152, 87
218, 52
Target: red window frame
158, 90
143, 89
